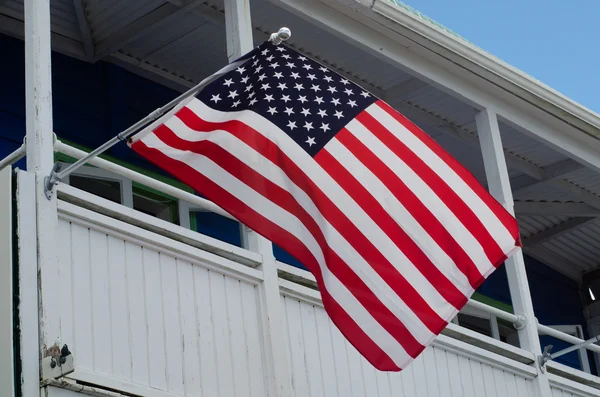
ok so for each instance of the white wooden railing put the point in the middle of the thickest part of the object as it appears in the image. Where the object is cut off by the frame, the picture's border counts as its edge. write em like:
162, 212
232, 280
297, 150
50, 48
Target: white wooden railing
150, 308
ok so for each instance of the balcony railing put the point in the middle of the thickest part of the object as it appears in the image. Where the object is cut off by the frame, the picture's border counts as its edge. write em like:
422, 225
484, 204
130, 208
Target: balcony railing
148, 307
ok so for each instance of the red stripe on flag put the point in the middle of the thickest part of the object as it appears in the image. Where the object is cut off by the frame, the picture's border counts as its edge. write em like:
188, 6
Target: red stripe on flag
285, 200
411, 202
369, 349
377, 260
382, 217
437, 184
505, 217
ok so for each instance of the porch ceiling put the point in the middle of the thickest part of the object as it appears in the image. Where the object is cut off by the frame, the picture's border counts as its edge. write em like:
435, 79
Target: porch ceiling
179, 42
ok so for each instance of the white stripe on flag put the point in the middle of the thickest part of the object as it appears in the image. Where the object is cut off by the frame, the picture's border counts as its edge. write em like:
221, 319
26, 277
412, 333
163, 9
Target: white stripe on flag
456, 183
425, 194
403, 218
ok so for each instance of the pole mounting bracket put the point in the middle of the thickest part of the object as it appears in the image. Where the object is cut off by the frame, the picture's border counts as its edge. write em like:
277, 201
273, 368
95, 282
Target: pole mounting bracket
51, 180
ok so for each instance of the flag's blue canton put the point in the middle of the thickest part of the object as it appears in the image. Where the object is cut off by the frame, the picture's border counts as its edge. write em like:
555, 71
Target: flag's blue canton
308, 101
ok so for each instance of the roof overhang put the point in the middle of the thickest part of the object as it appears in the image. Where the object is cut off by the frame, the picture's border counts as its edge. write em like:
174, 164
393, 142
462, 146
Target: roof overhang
488, 67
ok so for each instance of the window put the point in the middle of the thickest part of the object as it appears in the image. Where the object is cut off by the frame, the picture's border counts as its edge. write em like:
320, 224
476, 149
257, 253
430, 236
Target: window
571, 359
487, 324
157, 204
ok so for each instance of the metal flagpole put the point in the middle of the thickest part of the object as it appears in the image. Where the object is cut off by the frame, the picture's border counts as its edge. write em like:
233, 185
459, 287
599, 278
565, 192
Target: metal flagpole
56, 175
546, 356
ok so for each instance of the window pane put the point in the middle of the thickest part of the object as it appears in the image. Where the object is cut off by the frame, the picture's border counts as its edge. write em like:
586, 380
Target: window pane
477, 324
508, 333
155, 205
219, 227
283, 256
110, 190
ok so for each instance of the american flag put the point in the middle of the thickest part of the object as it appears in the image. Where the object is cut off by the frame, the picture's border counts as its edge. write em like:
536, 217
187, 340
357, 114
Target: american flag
396, 232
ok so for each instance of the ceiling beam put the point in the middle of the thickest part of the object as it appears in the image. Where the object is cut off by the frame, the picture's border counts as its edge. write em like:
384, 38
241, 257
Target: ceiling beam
551, 173
454, 131
556, 230
160, 16
555, 209
84, 27
65, 45
577, 192
560, 264
404, 89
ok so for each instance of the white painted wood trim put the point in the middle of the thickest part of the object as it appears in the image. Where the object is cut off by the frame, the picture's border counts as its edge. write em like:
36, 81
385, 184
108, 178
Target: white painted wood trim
129, 388
484, 356
145, 221
575, 388
134, 234
28, 285
7, 370
499, 185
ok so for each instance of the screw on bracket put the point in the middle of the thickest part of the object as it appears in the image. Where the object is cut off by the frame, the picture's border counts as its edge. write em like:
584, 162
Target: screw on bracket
60, 359
545, 357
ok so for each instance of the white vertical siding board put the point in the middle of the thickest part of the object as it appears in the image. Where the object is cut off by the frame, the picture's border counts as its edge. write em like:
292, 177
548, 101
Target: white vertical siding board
237, 336
420, 376
138, 330
489, 381
171, 310
328, 363
384, 386
429, 367
342, 368
254, 342
65, 284
558, 393
285, 301
523, 387
501, 379
154, 317
311, 349
479, 386
224, 363
370, 377
186, 286
455, 373
297, 348
440, 363
356, 376
406, 379
82, 305
100, 309
121, 364
511, 385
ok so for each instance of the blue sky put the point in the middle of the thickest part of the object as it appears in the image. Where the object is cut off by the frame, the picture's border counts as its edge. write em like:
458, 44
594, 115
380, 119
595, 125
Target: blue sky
556, 42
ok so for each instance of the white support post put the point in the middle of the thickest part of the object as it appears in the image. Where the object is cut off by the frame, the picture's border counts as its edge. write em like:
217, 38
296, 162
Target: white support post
499, 186
239, 28
40, 159
239, 42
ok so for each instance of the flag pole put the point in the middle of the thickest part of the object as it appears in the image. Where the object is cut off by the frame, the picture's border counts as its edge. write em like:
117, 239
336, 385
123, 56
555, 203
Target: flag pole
56, 175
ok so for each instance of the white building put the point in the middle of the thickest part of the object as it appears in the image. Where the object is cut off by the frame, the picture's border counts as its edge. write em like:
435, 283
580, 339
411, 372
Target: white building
155, 295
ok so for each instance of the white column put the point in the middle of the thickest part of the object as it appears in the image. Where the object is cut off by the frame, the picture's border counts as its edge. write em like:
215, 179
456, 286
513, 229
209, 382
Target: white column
239, 28
499, 186
40, 158
239, 42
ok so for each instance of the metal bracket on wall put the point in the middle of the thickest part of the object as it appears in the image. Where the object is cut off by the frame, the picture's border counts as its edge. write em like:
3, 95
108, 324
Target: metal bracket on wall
58, 363
547, 356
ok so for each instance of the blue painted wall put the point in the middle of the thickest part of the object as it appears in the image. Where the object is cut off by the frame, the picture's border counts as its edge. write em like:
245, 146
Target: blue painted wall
556, 301
93, 102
